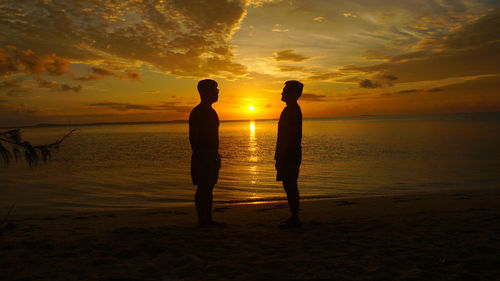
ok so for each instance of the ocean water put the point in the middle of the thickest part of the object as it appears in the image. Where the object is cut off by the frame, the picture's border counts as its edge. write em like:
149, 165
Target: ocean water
147, 165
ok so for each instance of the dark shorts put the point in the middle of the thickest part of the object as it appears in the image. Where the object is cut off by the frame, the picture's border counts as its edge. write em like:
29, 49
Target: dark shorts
205, 169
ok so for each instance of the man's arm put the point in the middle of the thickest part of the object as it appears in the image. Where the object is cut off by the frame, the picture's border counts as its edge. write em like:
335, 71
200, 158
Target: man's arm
288, 136
194, 133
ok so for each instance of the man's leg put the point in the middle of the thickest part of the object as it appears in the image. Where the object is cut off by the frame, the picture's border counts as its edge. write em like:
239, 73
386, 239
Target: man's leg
209, 203
292, 194
203, 201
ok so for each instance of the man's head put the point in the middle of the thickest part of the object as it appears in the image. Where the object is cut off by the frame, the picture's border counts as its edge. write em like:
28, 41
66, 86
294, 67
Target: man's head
292, 91
208, 91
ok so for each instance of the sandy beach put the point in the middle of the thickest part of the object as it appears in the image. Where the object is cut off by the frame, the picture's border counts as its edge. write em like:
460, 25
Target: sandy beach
427, 236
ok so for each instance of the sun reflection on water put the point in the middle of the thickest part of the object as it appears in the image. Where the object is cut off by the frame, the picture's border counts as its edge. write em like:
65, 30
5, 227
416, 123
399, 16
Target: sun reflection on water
252, 145
253, 157
252, 130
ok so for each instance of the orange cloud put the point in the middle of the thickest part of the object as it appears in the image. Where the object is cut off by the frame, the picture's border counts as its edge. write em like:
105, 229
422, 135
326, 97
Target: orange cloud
10, 84
42, 83
469, 51
166, 106
98, 72
289, 55
26, 62
378, 81
14, 60
312, 97
185, 38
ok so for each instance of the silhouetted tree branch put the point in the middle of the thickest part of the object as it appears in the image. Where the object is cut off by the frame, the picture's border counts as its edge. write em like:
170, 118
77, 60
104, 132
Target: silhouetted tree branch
33, 154
3, 224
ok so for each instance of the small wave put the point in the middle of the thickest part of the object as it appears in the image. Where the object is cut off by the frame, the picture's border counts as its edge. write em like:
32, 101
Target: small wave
273, 199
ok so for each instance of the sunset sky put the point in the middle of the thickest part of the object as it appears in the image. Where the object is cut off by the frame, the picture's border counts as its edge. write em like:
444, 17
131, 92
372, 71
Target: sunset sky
114, 61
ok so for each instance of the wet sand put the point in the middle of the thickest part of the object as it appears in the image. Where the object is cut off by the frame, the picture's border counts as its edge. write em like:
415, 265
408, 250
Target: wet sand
427, 236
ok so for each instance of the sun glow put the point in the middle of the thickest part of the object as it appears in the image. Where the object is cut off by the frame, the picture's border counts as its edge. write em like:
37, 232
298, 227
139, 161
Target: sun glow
251, 108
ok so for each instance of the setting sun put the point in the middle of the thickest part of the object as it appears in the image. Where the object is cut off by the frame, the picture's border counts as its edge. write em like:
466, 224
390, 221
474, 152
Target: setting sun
251, 108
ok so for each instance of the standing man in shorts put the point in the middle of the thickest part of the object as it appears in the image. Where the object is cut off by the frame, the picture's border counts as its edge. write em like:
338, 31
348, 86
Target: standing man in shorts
205, 159
289, 149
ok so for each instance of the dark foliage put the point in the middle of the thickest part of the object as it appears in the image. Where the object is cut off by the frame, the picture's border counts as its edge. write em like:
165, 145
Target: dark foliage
33, 154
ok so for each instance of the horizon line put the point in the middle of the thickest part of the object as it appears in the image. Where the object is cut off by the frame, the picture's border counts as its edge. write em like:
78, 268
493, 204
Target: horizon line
42, 125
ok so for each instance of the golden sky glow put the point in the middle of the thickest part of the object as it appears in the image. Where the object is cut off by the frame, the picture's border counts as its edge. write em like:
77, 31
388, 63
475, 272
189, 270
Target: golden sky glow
87, 61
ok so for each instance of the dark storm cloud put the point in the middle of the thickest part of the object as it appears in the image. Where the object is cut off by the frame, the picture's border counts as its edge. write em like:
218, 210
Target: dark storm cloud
186, 38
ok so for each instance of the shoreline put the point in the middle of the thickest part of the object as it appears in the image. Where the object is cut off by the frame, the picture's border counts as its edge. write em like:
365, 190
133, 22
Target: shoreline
53, 211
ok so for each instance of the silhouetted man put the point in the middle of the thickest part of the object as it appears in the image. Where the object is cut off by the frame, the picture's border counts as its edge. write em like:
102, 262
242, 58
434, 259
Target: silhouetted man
205, 160
289, 149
